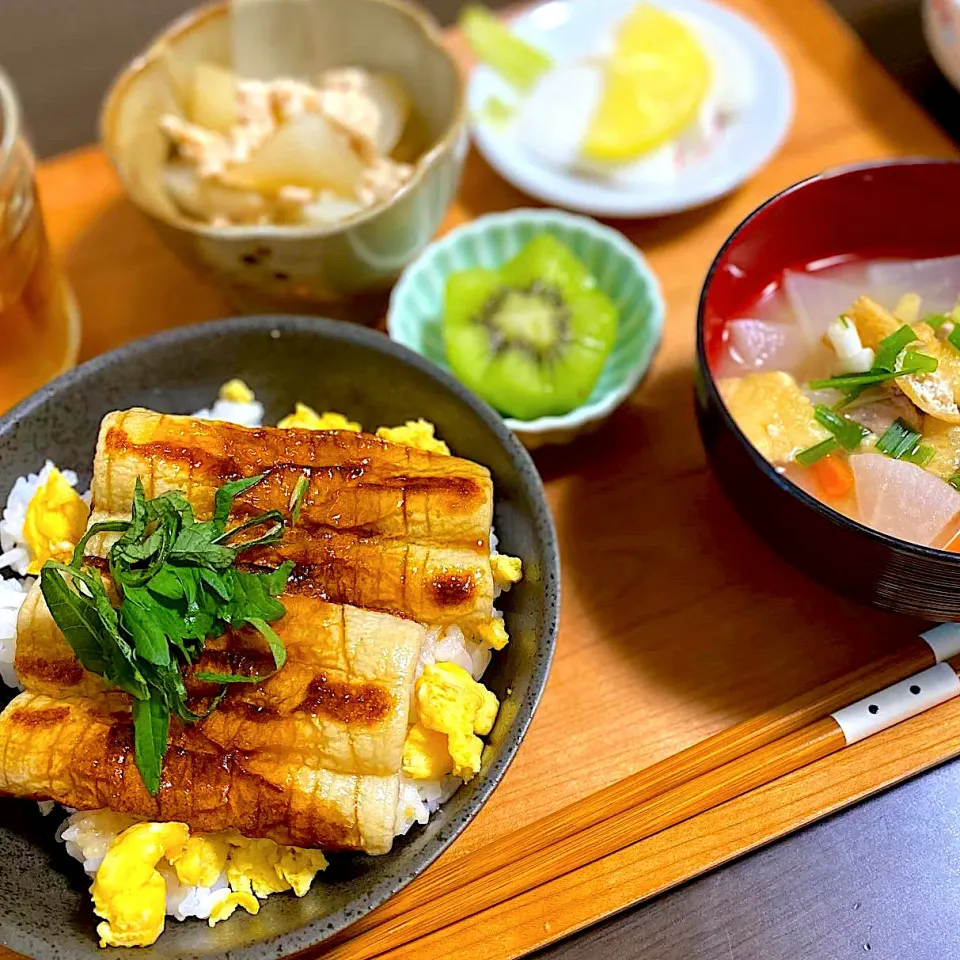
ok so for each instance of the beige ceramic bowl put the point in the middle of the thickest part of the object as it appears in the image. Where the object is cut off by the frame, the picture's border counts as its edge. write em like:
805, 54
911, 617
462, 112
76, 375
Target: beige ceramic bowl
298, 268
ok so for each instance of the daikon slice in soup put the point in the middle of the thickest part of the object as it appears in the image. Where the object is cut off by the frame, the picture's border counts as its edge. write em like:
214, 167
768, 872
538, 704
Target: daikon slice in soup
847, 380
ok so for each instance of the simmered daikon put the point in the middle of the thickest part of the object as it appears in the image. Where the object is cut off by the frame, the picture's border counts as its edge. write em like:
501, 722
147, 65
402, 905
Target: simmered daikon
213, 98
286, 151
307, 152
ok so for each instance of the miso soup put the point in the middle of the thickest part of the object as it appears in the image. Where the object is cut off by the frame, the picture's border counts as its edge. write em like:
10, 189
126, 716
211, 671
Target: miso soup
847, 380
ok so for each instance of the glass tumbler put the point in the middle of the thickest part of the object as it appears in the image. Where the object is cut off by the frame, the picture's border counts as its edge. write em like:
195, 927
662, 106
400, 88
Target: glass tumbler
39, 320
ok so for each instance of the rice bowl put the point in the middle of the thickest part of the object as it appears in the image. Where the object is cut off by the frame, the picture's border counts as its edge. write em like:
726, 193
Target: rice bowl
416, 806
91, 835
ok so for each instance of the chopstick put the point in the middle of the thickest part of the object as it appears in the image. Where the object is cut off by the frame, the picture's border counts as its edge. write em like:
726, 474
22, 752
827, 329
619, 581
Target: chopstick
718, 769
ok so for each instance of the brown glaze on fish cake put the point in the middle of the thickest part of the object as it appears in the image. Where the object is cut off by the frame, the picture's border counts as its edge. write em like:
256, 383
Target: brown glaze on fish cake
387, 536
382, 526
342, 696
79, 752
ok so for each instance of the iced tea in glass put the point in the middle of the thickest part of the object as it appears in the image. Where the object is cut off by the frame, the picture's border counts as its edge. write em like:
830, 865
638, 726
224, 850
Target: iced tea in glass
39, 323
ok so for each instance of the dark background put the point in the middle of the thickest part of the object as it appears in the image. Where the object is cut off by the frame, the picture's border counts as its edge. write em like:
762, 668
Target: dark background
62, 54
879, 881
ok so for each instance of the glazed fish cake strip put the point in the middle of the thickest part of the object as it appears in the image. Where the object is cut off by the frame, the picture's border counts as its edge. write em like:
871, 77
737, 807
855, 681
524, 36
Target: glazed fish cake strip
381, 526
79, 752
45, 662
354, 481
340, 702
430, 585
342, 699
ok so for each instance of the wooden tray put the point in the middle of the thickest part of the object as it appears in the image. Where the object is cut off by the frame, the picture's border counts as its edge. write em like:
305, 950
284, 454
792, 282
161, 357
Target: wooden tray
677, 621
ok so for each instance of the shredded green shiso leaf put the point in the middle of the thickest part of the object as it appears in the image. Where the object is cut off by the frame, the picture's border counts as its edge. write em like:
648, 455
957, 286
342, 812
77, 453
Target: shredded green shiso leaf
176, 586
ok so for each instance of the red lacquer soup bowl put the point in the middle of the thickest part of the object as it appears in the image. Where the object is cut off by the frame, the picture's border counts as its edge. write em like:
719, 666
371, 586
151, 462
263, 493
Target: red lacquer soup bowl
892, 209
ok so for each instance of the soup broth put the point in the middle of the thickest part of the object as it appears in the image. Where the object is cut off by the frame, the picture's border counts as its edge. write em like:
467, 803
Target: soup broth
847, 379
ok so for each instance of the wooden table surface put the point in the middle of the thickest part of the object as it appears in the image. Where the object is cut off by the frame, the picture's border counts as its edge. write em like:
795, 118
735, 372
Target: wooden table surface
677, 620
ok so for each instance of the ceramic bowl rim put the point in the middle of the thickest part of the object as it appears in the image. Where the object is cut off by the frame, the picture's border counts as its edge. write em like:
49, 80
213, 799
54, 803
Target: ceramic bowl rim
586, 412
444, 143
710, 385
542, 520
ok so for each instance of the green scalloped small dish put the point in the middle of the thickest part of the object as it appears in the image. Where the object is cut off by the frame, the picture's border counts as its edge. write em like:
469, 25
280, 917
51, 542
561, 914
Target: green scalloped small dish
415, 315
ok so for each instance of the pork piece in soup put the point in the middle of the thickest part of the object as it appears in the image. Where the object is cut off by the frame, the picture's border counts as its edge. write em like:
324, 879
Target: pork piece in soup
847, 380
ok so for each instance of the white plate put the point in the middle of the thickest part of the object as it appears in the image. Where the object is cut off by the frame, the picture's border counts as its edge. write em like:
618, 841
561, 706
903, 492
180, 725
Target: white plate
569, 29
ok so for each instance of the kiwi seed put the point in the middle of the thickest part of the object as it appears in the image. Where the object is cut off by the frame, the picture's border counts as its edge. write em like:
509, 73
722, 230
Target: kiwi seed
534, 318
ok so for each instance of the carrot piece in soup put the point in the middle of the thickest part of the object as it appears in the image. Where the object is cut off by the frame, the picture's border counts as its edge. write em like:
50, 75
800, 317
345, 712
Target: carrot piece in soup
833, 477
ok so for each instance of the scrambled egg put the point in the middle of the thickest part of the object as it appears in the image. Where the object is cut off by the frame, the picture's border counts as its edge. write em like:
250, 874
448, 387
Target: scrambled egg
493, 633
228, 901
130, 893
774, 413
236, 391
425, 754
262, 867
506, 570
306, 418
449, 701
128, 890
55, 520
202, 860
415, 433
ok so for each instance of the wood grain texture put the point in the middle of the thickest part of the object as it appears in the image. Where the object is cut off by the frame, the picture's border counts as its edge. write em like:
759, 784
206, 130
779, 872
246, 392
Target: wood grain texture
654, 865
677, 622
592, 844
496, 864
529, 866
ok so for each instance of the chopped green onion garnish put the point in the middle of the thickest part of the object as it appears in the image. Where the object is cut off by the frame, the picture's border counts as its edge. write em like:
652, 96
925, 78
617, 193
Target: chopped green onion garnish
299, 491
891, 347
918, 362
849, 434
913, 362
954, 481
954, 337
921, 456
808, 457
849, 381
935, 320
899, 440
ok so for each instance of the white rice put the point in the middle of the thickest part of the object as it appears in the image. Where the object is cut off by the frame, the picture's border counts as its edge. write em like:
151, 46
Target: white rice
449, 645
243, 414
419, 799
14, 552
12, 594
185, 901
89, 833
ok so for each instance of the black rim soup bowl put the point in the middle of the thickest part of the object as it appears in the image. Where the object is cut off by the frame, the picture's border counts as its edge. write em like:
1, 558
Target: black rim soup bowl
45, 908
891, 209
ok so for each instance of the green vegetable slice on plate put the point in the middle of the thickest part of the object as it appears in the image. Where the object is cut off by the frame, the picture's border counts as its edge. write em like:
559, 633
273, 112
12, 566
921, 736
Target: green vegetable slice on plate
518, 62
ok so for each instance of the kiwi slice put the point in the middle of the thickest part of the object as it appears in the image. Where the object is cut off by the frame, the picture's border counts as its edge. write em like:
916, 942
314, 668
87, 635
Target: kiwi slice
530, 338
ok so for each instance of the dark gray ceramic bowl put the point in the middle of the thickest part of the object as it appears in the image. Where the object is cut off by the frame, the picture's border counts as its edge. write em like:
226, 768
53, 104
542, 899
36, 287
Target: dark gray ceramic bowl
45, 909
